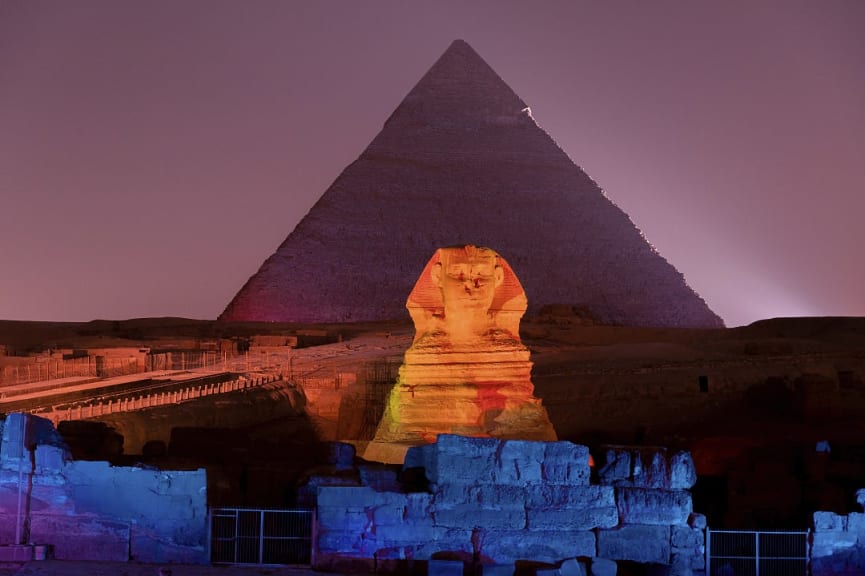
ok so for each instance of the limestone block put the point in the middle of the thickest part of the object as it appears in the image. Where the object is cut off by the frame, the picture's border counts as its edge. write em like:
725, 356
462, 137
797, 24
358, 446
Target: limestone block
572, 567
82, 537
408, 534
566, 463
571, 519
688, 559
50, 459
445, 568
650, 469
541, 546
51, 499
356, 518
345, 542
552, 496
638, 543
547, 572
856, 524
643, 467
36, 431
571, 507
484, 495
616, 466
686, 537
683, 473
602, 567
417, 506
467, 470
652, 506
829, 522
349, 496
497, 569
475, 516
519, 462
451, 540
825, 544
152, 546
388, 515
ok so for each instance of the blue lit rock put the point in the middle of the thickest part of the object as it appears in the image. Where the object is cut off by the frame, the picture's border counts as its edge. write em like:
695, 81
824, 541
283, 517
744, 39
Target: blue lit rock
645, 544
653, 506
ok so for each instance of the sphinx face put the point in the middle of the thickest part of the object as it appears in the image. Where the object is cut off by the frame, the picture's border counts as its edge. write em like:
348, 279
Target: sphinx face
468, 282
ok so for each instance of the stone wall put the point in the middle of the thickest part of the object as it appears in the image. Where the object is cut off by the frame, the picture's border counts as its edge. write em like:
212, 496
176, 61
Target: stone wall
491, 502
838, 542
93, 511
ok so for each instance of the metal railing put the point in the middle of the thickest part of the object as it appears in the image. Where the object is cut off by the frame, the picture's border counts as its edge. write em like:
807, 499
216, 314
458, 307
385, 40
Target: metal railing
261, 536
756, 553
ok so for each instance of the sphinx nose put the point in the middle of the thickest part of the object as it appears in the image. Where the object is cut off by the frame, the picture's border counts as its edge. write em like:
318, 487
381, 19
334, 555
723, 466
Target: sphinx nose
477, 283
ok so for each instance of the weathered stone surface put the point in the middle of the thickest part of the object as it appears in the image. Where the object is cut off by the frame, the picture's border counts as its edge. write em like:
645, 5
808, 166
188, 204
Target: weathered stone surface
542, 546
570, 507
602, 567
467, 372
835, 543
497, 569
686, 537
461, 158
566, 463
829, 522
484, 495
647, 544
447, 540
572, 567
82, 538
683, 473
651, 506
475, 516
640, 467
520, 462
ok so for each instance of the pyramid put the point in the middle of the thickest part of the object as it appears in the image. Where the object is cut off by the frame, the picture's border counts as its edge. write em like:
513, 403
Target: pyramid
462, 161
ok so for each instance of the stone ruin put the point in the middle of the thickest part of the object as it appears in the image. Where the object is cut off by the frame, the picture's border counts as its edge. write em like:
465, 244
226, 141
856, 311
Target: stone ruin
90, 510
462, 160
467, 372
491, 505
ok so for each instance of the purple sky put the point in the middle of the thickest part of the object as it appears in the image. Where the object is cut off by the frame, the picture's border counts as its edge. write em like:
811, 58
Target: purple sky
153, 154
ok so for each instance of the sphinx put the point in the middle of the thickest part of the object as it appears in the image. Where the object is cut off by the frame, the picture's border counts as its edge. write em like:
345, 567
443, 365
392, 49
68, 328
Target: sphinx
467, 371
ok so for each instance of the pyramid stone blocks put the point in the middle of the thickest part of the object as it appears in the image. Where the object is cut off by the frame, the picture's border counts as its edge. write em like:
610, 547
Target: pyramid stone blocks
462, 161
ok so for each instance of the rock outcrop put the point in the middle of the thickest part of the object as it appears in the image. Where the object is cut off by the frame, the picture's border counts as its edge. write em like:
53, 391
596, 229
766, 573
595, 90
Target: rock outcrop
462, 161
467, 372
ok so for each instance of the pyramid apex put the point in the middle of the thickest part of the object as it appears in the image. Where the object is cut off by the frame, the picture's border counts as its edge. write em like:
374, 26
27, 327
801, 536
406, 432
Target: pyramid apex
460, 84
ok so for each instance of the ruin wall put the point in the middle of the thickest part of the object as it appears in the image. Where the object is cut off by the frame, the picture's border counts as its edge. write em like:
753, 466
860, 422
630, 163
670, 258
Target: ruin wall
88, 510
495, 502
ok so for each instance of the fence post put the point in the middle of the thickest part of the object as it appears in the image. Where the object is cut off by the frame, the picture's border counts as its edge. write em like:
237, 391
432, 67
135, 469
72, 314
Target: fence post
757, 553
708, 556
261, 537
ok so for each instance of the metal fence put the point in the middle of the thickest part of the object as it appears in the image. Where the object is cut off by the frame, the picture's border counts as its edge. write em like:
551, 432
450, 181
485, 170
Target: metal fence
260, 536
756, 553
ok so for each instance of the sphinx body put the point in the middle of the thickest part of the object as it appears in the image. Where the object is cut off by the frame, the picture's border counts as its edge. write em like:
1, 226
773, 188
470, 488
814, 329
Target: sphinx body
467, 372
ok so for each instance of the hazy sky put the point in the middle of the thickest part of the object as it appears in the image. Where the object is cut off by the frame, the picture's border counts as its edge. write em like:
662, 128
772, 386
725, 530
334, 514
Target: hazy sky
153, 154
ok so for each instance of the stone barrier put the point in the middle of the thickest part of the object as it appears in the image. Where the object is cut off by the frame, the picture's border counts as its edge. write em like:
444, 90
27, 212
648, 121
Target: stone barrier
493, 503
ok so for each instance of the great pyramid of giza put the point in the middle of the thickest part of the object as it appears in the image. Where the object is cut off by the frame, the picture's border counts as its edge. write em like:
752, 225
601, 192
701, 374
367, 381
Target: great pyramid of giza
462, 161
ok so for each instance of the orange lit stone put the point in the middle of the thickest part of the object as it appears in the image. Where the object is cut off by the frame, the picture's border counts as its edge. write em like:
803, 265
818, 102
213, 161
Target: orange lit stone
467, 372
